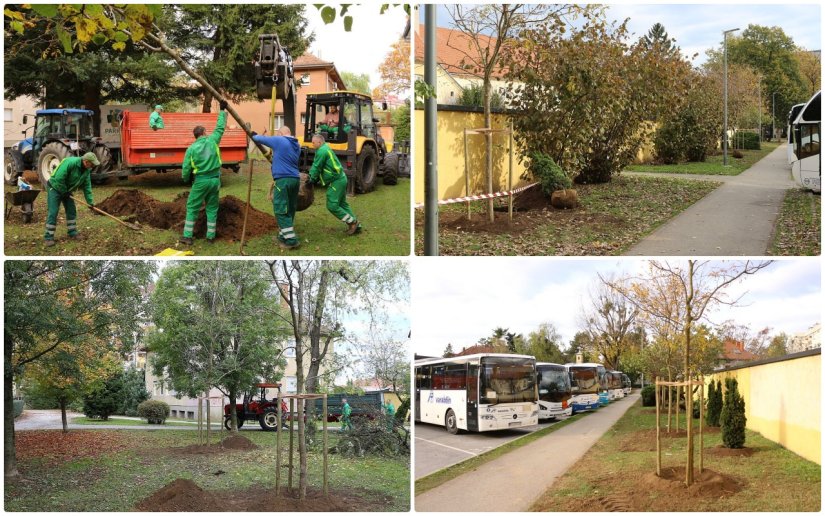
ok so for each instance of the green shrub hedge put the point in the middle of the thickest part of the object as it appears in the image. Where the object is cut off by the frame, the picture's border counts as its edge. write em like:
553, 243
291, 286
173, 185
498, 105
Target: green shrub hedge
649, 396
155, 412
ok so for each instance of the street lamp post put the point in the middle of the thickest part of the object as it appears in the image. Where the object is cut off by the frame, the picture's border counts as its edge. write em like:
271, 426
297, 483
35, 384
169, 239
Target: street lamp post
773, 114
725, 135
759, 96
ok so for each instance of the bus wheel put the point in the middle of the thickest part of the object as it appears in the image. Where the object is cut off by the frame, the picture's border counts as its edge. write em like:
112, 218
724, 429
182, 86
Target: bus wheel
450, 423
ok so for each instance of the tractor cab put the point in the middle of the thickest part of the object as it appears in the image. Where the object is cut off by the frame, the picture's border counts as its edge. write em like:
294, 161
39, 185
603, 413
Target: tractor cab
253, 399
257, 407
346, 121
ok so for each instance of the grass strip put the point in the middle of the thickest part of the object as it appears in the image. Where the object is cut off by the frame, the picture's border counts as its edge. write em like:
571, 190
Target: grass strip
441, 476
798, 229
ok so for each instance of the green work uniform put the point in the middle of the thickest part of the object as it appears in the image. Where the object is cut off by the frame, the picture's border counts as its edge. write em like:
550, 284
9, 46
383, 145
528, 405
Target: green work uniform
328, 170
284, 205
203, 160
346, 420
155, 120
69, 176
390, 409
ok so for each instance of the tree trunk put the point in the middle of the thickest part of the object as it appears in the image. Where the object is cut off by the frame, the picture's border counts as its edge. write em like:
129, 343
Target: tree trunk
10, 458
302, 452
233, 410
62, 402
91, 99
688, 328
207, 102
488, 144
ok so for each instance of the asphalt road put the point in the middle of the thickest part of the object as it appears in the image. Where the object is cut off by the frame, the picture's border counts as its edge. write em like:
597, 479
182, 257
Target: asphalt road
436, 449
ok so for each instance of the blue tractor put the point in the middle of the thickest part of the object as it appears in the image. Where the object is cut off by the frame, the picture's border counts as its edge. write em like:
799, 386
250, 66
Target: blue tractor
58, 134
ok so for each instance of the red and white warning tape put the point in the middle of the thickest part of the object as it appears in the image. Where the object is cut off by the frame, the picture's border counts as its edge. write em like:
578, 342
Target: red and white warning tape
480, 197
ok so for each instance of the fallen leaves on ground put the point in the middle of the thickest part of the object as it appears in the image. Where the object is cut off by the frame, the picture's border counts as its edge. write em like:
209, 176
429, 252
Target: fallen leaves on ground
77, 444
799, 226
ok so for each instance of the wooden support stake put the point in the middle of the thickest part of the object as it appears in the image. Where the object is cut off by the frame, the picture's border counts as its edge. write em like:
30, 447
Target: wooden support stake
702, 426
208, 419
291, 438
466, 174
510, 186
200, 421
678, 393
658, 437
278, 448
326, 489
248, 204
689, 429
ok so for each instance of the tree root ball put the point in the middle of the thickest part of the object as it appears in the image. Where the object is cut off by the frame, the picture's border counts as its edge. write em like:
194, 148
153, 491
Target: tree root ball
564, 199
306, 193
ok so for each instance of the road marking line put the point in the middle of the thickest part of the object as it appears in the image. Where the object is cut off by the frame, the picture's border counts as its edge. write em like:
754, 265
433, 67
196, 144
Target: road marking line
444, 445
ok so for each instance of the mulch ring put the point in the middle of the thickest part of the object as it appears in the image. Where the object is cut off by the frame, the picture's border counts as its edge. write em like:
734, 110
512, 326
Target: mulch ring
230, 443
136, 206
654, 493
184, 495
55, 445
720, 451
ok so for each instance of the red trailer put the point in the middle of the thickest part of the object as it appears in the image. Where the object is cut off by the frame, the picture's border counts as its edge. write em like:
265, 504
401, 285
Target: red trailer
143, 149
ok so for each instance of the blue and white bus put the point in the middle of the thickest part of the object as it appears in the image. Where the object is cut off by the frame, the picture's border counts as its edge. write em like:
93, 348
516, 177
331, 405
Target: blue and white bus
584, 382
477, 393
554, 390
807, 127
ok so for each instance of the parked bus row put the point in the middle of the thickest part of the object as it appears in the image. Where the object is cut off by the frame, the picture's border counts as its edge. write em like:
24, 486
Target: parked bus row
804, 142
495, 391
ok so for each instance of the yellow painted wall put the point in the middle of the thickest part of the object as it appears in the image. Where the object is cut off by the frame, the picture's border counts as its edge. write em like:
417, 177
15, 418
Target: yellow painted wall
783, 402
451, 126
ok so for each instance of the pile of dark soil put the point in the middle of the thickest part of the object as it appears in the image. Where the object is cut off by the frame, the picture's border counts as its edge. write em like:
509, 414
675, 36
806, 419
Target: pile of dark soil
531, 199
238, 442
707, 484
140, 207
186, 496
183, 495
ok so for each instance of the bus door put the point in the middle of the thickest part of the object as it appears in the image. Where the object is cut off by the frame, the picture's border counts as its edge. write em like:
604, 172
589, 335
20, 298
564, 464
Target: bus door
422, 381
472, 397
810, 160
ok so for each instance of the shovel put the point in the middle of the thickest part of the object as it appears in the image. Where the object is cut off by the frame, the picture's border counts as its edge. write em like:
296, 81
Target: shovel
123, 222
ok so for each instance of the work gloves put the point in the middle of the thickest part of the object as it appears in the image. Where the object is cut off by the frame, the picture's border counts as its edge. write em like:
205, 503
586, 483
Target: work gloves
223, 104
254, 134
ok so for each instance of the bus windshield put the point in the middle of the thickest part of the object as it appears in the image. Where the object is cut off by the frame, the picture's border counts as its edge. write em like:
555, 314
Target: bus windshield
584, 380
554, 383
507, 380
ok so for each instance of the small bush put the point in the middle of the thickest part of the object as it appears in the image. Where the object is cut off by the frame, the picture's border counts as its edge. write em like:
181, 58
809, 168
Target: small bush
551, 176
18, 408
649, 396
714, 403
153, 411
103, 402
733, 416
748, 140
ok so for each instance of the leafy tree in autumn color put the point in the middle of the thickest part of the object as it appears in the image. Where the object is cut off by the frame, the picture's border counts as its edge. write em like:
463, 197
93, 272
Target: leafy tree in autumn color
588, 98
608, 318
810, 68
72, 371
395, 72
690, 131
744, 103
50, 306
679, 295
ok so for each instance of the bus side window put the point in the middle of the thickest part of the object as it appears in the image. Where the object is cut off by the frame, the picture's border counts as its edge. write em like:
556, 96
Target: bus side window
438, 378
809, 140
455, 376
423, 379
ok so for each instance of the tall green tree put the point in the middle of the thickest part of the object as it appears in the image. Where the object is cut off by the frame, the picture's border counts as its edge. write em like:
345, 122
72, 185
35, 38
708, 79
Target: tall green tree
359, 82
50, 305
657, 40
220, 40
544, 343
216, 325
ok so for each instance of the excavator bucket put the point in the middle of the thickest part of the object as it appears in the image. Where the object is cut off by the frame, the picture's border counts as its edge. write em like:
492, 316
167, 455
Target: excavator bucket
273, 68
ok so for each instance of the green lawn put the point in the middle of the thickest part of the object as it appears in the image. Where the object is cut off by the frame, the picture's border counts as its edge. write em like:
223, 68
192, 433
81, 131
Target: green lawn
610, 219
384, 214
615, 470
129, 422
799, 226
135, 463
713, 165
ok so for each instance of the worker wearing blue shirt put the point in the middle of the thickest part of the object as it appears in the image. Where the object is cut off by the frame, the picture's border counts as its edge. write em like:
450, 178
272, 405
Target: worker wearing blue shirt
286, 182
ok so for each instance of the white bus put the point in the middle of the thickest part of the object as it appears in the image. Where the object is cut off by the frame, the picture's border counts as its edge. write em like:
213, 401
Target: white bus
584, 381
486, 391
613, 382
792, 114
554, 390
806, 168
626, 384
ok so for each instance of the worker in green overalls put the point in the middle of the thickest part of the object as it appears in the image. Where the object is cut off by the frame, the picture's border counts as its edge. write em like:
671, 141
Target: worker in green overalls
327, 170
71, 174
155, 120
389, 410
346, 415
202, 169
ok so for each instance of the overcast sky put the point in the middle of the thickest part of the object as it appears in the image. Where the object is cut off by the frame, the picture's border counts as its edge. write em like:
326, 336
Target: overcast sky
363, 49
459, 300
698, 27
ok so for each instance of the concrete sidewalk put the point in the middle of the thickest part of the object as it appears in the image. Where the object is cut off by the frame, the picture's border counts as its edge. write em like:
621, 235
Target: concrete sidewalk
736, 219
512, 482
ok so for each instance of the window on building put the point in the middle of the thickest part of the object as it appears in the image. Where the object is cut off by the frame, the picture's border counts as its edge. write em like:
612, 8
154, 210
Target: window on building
279, 121
8, 115
303, 118
305, 79
290, 384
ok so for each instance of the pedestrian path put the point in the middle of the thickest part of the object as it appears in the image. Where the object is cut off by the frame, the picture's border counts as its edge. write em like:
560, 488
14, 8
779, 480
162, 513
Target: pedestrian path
512, 482
736, 219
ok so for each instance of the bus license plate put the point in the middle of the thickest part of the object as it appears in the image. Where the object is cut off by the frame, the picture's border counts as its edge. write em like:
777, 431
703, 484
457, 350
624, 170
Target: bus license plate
515, 423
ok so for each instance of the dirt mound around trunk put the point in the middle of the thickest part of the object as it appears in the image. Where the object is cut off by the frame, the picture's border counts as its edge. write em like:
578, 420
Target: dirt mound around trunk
707, 484
721, 451
140, 207
186, 496
531, 199
182, 495
238, 442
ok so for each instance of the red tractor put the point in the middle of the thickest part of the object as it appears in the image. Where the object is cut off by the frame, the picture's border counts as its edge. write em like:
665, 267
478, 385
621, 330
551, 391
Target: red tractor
258, 408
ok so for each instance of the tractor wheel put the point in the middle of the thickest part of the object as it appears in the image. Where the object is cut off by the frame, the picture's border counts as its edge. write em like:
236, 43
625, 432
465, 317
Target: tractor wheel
391, 169
366, 170
227, 423
14, 166
50, 157
269, 420
104, 155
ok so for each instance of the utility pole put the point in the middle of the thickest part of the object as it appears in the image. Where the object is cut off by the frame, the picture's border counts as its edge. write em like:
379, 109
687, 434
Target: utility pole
773, 114
725, 135
760, 110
